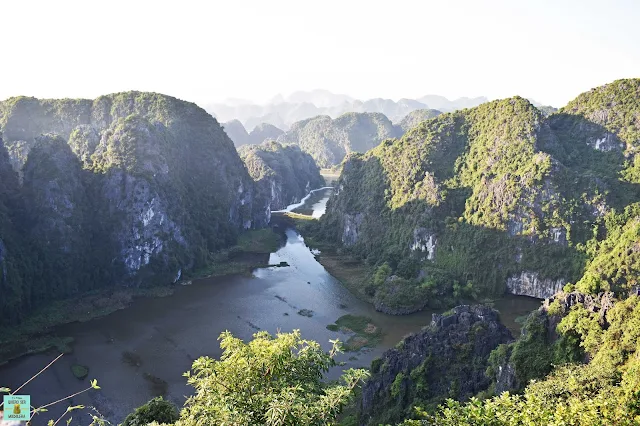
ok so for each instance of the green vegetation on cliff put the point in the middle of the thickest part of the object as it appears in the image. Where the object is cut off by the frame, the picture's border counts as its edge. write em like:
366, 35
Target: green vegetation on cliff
268, 381
416, 117
131, 189
497, 197
604, 391
330, 140
283, 174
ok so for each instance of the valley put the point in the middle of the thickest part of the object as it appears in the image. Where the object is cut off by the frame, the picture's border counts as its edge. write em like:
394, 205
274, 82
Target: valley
142, 350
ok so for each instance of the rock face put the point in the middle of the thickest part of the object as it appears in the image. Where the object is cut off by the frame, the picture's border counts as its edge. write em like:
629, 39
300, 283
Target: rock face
350, 232
283, 174
127, 189
425, 242
529, 284
447, 358
600, 304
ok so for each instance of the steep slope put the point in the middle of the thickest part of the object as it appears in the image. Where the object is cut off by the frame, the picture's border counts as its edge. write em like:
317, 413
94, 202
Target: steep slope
131, 189
263, 132
329, 141
236, 132
15, 268
491, 199
447, 358
284, 174
416, 117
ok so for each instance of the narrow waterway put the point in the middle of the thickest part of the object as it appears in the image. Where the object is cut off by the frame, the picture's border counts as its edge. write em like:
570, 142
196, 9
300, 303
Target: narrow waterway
144, 349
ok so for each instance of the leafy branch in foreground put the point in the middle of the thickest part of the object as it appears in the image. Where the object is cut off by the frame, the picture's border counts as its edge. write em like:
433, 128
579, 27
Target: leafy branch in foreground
269, 381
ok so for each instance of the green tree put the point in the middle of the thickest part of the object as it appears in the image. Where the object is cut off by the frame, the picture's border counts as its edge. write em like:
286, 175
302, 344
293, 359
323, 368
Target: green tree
156, 410
268, 381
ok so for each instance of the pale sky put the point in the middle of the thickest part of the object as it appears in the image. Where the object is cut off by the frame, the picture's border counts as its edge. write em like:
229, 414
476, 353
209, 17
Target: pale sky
206, 51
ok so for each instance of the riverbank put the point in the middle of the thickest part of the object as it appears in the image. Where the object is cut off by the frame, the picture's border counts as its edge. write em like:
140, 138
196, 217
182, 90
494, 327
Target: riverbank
36, 334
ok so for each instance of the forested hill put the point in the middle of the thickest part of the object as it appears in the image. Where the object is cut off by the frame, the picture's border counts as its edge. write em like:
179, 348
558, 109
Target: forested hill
127, 189
284, 174
330, 140
497, 198
414, 118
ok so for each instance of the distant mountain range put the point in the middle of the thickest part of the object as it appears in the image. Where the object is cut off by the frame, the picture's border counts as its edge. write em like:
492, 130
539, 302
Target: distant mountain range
283, 111
328, 140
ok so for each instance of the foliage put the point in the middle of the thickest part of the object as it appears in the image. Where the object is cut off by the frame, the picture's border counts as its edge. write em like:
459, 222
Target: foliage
615, 265
258, 241
284, 174
132, 188
604, 391
416, 117
496, 190
156, 410
270, 380
364, 331
330, 140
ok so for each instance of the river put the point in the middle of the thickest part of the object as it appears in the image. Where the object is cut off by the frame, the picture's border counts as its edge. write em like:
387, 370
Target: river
156, 339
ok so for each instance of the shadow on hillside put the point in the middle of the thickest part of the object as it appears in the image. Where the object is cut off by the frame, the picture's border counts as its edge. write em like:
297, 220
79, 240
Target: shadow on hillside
482, 255
571, 140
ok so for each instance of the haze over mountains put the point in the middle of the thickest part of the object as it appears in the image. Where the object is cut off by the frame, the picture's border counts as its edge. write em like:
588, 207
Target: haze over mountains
283, 111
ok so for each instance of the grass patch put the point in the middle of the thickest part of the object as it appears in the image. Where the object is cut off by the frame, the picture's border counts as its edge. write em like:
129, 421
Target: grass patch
80, 371
298, 216
231, 267
364, 332
250, 253
353, 274
34, 334
258, 241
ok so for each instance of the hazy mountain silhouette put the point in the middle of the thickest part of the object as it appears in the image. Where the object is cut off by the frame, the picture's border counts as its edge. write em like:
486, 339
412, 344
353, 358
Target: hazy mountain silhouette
282, 111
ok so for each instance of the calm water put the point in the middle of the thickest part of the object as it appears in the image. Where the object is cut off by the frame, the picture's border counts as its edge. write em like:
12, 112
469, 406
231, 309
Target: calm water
167, 334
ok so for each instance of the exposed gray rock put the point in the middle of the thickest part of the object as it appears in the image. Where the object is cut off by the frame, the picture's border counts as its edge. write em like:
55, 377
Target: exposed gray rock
530, 284
350, 230
453, 349
506, 379
424, 241
600, 304
605, 143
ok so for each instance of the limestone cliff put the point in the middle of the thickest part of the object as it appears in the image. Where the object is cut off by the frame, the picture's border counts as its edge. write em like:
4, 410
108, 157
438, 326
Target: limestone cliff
529, 284
497, 198
330, 140
131, 189
447, 358
283, 174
